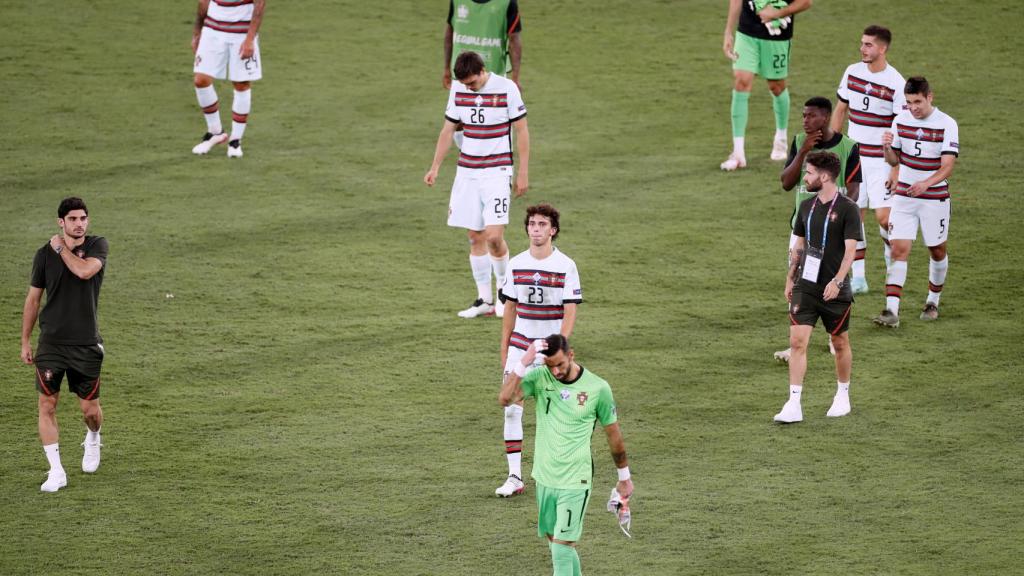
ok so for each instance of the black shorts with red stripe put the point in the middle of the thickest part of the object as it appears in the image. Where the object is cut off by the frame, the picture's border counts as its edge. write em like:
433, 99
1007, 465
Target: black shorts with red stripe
81, 363
805, 309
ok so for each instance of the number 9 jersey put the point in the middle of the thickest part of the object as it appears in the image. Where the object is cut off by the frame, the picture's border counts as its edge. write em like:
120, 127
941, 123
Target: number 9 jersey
540, 289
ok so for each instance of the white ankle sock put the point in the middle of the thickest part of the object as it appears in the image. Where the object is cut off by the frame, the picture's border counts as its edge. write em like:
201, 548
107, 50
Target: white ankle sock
738, 147
53, 456
794, 392
843, 387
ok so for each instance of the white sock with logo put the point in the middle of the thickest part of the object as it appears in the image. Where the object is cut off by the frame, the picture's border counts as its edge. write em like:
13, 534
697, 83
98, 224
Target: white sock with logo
514, 439
53, 456
240, 108
500, 266
894, 280
794, 392
207, 98
481, 267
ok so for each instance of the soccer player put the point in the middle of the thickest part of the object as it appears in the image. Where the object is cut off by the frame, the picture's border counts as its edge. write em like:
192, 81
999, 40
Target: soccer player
571, 400
871, 92
490, 106
540, 294
924, 143
70, 269
490, 28
225, 40
761, 46
818, 135
827, 230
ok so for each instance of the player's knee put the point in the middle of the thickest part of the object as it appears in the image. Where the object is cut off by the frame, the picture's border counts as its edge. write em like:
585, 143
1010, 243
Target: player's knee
798, 343
777, 87
202, 81
840, 342
91, 411
47, 407
242, 86
743, 82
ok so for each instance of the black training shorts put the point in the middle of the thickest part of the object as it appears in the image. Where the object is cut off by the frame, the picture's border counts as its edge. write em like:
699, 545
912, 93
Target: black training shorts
805, 309
80, 363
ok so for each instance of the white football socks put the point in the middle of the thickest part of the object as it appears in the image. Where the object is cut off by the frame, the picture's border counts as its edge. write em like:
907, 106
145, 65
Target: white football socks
794, 392
53, 456
207, 98
894, 281
481, 267
500, 267
514, 436
888, 247
240, 107
936, 278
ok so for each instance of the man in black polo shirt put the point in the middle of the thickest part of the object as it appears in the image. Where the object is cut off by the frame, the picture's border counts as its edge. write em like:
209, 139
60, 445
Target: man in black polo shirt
70, 269
827, 230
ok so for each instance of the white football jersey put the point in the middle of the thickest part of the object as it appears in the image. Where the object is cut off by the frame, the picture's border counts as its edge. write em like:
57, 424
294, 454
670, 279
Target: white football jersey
540, 289
874, 100
487, 118
231, 16
921, 145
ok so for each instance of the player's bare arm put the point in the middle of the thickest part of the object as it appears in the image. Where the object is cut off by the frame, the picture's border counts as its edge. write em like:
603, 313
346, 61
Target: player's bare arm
947, 163
769, 13
891, 155
523, 144
796, 256
446, 78
618, 449
515, 54
248, 45
569, 310
508, 323
791, 173
729, 39
839, 115
84, 268
197, 28
894, 177
444, 142
510, 391
30, 313
853, 190
832, 289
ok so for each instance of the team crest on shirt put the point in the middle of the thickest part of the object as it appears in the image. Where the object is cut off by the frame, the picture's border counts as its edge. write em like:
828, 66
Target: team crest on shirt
581, 398
833, 216
80, 253
479, 101
565, 394
463, 12
537, 277
920, 134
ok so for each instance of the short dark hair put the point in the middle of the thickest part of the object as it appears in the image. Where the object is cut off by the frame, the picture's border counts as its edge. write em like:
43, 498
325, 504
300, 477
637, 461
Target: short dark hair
880, 33
917, 85
467, 64
71, 203
821, 103
546, 210
556, 343
825, 161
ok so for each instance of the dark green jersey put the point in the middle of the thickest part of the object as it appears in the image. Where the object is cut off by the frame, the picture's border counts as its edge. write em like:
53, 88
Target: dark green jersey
566, 416
70, 313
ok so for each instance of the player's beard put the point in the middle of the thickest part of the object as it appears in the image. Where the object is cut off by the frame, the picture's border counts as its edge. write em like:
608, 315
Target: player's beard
814, 186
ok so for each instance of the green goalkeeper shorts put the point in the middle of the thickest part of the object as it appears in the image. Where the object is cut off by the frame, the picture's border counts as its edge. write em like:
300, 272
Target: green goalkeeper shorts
768, 59
560, 512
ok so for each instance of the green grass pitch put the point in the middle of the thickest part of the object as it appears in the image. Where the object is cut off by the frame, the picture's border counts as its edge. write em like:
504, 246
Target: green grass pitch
308, 403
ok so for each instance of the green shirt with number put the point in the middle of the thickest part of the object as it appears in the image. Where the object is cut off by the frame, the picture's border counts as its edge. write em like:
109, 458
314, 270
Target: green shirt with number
566, 416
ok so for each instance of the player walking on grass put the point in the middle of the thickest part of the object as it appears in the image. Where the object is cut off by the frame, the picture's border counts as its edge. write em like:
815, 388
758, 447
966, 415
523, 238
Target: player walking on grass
924, 143
761, 47
225, 41
827, 230
871, 92
817, 135
491, 107
70, 269
571, 400
540, 294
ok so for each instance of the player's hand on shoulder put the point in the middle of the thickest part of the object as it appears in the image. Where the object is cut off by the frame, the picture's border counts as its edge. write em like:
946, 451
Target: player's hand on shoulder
56, 242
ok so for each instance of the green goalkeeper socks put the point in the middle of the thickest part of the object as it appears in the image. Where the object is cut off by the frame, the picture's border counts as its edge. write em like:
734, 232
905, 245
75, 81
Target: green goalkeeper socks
740, 102
565, 560
780, 104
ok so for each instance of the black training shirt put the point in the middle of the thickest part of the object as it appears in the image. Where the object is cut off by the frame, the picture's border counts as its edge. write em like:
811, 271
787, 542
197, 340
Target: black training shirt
70, 313
751, 25
844, 224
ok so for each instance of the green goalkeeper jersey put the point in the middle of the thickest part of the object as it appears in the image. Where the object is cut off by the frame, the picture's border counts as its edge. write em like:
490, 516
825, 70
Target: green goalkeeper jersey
566, 416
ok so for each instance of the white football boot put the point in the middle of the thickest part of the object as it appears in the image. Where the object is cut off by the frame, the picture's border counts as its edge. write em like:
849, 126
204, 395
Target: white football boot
478, 308
791, 412
209, 141
733, 162
235, 149
783, 355
91, 458
513, 485
55, 480
779, 149
840, 405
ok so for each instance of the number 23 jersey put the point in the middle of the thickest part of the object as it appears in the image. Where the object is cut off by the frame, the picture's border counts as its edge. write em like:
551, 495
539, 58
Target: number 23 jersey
540, 289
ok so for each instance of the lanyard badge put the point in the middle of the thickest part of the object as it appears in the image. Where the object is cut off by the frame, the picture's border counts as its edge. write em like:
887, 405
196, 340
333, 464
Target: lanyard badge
812, 260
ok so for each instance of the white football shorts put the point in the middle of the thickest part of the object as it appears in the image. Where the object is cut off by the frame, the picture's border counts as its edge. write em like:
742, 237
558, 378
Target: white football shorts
218, 56
873, 194
909, 213
479, 202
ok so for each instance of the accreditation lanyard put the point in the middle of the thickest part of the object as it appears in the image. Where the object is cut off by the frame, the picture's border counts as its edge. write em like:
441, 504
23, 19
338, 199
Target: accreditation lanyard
812, 263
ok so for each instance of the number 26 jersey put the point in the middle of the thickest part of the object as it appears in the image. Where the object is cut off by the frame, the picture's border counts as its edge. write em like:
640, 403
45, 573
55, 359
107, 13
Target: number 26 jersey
487, 118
